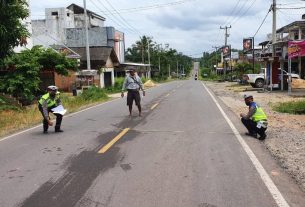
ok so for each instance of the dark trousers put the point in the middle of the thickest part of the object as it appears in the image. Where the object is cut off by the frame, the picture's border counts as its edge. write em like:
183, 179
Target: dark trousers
45, 121
251, 126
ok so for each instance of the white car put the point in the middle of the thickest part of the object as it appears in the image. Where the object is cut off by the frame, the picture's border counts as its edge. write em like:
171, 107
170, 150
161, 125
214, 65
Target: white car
258, 80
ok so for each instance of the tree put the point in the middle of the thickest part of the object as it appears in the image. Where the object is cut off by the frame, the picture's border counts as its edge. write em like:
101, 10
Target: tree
12, 31
167, 56
24, 77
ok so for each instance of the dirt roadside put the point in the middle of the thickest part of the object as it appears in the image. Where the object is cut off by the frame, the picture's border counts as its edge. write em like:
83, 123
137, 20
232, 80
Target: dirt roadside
286, 132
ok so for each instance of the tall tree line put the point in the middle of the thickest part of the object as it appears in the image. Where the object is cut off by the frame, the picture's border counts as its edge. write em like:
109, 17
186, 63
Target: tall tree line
160, 55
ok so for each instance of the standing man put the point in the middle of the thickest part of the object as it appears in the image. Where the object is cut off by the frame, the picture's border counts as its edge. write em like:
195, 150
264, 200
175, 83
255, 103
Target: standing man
255, 120
46, 103
133, 84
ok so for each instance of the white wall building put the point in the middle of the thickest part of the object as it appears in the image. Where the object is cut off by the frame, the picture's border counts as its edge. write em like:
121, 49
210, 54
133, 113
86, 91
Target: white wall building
52, 29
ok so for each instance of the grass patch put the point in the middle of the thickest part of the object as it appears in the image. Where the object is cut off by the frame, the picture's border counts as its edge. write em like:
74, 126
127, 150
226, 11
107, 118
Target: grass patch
13, 120
292, 107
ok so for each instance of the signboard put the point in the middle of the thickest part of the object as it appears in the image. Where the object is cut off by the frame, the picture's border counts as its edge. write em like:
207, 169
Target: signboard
296, 49
226, 50
247, 44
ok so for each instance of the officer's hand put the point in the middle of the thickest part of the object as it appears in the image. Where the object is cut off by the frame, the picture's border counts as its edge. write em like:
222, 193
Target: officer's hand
50, 123
122, 94
143, 93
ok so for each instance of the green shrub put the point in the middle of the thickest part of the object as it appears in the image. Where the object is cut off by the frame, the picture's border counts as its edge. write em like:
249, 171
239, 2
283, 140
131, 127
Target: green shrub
118, 83
292, 107
94, 94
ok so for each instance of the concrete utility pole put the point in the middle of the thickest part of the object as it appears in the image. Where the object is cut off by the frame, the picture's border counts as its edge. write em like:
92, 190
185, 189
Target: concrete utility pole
169, 70
177, 69
273, 40
226, 43
87, 37
159, 64
216, 49
148, 51
226, 33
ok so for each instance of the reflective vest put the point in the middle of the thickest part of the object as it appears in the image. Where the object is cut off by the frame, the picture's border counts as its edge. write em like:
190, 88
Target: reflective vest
50, 102
259, 115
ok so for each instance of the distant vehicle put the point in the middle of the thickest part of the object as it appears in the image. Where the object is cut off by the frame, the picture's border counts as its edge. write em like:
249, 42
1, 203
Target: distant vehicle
257, 80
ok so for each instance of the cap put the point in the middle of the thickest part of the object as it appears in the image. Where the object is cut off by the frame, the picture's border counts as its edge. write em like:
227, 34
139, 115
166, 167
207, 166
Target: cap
52, 88
247, 96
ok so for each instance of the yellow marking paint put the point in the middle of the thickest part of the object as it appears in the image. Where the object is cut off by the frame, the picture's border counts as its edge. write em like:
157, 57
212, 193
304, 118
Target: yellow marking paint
112, 142
167, 95
154, 106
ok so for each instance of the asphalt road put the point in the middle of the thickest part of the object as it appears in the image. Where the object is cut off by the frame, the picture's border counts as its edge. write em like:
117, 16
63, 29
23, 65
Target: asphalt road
182, 152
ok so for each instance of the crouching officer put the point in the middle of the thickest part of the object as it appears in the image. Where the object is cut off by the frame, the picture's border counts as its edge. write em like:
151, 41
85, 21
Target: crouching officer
255, 120
46, 103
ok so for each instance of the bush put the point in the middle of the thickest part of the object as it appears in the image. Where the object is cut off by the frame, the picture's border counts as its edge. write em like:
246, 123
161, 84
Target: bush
93, 94
118, 83
292, 107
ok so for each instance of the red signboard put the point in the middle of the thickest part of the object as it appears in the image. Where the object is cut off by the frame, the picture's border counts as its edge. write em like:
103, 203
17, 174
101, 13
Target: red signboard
296, 49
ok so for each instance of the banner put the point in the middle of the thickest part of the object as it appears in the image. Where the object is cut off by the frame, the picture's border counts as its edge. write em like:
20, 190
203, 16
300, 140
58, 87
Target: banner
226, 50
247, 44
296, 49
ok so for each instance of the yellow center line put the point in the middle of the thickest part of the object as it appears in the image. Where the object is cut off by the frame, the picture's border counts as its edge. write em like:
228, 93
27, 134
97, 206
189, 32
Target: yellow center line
154, 106
167, 95
112, 142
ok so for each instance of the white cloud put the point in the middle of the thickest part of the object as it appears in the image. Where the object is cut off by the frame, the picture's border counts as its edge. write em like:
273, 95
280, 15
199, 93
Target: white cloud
192, 27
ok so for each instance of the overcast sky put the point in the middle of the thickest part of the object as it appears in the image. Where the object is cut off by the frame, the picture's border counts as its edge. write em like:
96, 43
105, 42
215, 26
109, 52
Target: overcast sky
190, 26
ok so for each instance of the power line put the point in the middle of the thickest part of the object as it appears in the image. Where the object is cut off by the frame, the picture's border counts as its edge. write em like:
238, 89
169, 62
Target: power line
251, 5
262, 22
240, 9
124, 20
232, 12
149, 7
114, 20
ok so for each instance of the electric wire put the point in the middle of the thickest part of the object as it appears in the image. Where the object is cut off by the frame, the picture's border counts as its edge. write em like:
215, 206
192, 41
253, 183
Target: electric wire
262, 22
124, 20
243, 14
114, 20
232, 12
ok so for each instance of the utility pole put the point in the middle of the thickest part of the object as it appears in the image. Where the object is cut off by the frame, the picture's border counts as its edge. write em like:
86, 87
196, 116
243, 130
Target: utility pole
226, 33
169, 70
273, 40
87, 37
216, 49
149, 75
177, 69
226, 43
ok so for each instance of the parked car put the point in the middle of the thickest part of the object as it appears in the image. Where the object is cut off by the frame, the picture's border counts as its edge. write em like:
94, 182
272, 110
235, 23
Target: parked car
258, 80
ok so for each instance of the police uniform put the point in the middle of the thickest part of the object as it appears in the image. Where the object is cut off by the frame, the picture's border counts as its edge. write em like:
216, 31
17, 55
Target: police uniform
46, 104
255, 121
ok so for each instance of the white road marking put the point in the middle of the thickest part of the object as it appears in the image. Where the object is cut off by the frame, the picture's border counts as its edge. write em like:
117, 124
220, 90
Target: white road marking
276, 194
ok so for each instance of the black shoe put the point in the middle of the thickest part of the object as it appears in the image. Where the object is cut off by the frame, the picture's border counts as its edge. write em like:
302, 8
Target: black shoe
252, 134
262, 137
58, 130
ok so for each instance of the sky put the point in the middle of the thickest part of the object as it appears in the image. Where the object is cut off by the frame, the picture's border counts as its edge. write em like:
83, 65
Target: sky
189, 26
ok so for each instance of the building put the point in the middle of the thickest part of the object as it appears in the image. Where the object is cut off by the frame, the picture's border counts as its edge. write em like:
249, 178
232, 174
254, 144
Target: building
65, 27
294, 31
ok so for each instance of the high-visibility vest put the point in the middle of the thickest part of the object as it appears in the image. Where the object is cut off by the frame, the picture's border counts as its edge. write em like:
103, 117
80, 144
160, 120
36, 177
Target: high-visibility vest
259, 115
46, 97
